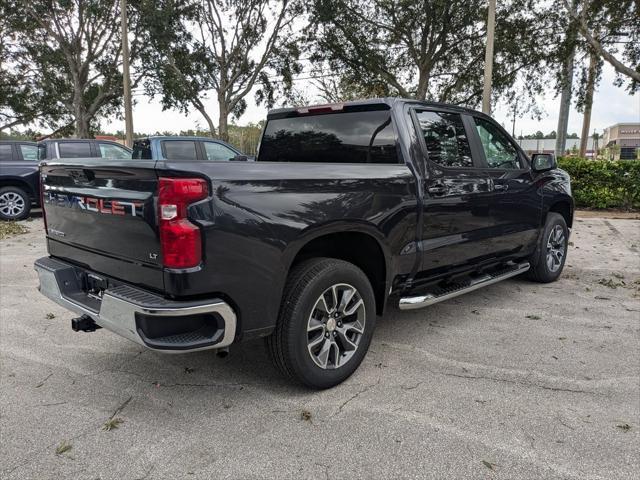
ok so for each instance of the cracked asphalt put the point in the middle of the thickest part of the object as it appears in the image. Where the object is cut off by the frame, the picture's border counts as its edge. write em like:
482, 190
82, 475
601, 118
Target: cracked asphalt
514, 381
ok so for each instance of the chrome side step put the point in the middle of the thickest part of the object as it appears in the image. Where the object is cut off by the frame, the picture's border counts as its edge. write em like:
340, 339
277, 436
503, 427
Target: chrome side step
412, 303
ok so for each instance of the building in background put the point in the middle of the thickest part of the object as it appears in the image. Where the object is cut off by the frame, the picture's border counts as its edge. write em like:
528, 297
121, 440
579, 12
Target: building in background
548, 145
618, 142
622, 141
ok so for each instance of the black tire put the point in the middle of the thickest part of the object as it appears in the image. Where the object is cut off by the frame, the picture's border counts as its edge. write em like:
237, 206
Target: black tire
541, 271
15, 203
289, 346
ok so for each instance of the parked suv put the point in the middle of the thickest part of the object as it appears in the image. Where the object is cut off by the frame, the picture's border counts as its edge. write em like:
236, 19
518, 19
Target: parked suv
347, 208
19, 179
82, 148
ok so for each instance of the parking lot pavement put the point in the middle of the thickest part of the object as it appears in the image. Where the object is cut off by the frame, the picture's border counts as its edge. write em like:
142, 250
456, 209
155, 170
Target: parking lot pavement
517, 380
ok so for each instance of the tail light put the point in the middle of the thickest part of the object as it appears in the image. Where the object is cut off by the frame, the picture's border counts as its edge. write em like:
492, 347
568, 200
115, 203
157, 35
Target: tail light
180, 240
44, 213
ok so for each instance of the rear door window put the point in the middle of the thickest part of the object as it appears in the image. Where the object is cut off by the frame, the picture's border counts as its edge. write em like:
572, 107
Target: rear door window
109, 150
29, 152
445, 139
74, 149
5, 152
180, 149
217, 152
348, 137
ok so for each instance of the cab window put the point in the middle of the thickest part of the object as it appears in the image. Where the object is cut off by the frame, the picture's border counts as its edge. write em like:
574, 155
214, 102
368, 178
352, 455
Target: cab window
498, 149
180, 149
217, 152
445, 138
29, 152
74, 149
5, 152
109, 150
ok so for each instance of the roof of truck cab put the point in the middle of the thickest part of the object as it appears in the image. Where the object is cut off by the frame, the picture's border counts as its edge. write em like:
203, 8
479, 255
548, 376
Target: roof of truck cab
180, 137
389, 101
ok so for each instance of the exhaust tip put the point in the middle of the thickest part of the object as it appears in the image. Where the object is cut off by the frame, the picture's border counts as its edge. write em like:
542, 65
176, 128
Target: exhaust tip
222, 352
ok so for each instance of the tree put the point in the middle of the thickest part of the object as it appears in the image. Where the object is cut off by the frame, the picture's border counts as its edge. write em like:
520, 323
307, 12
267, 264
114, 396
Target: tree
66, 58
429, 49
224, 46
601, 23
21, 102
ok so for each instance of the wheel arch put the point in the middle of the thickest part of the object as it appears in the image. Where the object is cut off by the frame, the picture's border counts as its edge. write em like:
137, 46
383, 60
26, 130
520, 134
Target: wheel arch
565, 208
19, 183
361, 247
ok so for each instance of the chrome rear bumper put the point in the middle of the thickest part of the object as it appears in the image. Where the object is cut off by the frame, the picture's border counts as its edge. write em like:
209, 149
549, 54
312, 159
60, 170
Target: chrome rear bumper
139, 315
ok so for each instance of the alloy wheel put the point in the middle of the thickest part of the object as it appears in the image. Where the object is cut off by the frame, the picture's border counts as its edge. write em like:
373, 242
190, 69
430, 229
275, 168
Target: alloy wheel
12, 205
556, 247
335, 326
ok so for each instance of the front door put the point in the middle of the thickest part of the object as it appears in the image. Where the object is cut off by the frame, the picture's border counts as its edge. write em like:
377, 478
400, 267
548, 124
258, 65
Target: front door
515, 205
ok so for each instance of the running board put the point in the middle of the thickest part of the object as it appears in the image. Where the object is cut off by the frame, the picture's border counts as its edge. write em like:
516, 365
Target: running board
412, 303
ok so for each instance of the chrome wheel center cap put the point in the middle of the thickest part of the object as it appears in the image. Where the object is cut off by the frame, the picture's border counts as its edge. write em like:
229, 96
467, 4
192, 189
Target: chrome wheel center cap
331, 325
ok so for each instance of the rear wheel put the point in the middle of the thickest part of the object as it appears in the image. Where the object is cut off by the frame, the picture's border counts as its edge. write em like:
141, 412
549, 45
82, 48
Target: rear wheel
14, 203
326, 322
548, 261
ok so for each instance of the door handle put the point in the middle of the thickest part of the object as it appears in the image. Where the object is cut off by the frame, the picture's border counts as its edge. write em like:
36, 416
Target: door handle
501, 187
437, 190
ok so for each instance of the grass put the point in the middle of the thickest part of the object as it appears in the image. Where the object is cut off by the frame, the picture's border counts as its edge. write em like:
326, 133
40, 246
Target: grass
10, 229
63, 447
112, 424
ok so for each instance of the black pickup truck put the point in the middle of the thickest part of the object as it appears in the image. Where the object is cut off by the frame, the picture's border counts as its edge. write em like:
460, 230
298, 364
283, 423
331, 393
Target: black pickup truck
347, 208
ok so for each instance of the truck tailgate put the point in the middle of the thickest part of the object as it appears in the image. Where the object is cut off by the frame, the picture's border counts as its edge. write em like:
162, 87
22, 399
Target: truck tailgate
101, 215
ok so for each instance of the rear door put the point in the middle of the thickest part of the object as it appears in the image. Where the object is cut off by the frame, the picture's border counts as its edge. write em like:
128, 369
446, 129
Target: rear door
515, 205
456, 228
103, 217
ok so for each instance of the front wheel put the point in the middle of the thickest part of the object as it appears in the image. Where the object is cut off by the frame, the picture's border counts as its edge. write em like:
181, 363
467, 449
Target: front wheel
548, 261
326, 322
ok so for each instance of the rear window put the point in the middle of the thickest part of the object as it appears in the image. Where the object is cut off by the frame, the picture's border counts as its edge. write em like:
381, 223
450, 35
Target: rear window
351, 137
74, 149
179, 150
141, 150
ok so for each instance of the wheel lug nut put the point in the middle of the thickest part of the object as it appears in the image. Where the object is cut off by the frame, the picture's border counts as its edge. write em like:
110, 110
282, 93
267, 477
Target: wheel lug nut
335, 334
326, 335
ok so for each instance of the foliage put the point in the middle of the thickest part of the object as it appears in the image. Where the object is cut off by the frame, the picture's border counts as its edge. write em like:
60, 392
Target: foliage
602, 183
65, 57
611, 30
225, 46
430, 49
9, 229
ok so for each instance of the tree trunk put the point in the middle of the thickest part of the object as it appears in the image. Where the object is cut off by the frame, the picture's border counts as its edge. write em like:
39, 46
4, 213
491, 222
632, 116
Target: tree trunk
565, 106
588, 103
567, 84
82, 126
223, 128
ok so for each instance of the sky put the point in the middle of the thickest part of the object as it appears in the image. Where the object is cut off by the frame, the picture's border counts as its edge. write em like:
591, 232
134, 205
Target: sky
611, 105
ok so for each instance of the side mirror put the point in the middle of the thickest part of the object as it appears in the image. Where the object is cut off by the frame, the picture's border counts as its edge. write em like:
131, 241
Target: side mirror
240, 158
541, 162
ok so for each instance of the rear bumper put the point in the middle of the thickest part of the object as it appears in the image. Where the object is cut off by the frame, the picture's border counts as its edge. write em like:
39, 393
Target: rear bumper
141, 316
